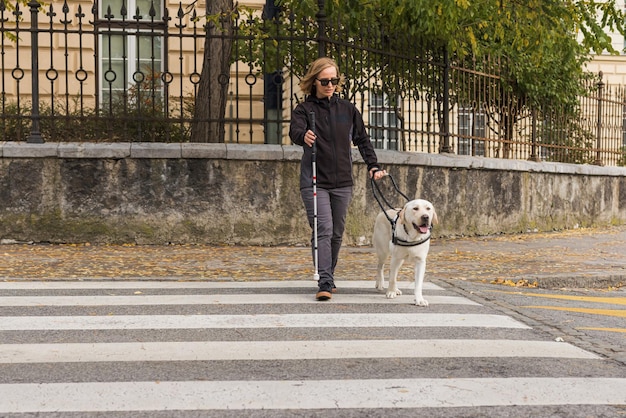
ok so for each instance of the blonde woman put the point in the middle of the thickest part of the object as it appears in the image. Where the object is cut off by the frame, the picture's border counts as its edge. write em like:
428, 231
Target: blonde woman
338, 126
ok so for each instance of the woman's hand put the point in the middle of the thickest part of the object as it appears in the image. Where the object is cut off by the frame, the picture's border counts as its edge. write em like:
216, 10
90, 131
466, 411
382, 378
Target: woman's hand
309, 138
377, 174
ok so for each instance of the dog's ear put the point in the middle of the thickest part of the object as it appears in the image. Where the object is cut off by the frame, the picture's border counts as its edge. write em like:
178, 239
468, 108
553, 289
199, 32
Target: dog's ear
401, 215
435, 218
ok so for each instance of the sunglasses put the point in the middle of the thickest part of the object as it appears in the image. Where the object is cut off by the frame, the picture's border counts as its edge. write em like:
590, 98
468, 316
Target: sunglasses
324, 81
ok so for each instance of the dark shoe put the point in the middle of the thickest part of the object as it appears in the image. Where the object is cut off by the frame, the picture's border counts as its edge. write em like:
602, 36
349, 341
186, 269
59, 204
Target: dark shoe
323, 295
324, 291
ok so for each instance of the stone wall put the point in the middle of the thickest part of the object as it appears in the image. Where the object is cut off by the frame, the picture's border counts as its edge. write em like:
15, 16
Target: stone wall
150, 193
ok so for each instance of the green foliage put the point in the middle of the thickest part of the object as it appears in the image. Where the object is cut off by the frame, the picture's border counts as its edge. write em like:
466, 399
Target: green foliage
562, 139
621, 160
537, 38
15, 121
142, 114
11, 6
537, 48
137, 115
287, 43
258, 39
8, 7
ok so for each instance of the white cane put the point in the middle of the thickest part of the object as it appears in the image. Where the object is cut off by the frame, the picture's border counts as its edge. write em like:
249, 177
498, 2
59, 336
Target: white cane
316, 276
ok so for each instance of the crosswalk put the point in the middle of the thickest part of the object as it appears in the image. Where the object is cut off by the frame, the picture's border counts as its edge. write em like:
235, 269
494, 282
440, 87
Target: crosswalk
267, 348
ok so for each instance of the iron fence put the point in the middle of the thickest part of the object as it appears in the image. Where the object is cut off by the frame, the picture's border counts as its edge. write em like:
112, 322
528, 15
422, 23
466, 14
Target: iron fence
86, 72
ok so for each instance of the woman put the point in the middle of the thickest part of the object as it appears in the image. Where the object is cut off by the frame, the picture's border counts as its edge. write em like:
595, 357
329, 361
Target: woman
338, 125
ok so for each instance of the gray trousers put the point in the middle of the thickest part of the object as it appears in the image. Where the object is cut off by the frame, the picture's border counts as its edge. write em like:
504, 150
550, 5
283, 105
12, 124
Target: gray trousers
332, 206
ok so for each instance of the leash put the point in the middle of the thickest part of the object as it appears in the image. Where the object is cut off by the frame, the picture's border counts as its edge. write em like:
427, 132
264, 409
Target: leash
378, 195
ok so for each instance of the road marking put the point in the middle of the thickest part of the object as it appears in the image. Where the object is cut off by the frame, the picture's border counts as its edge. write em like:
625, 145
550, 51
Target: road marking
168, 284
305, 394
620, 313
239, 299
31, 323
603, 329
594, 299
284, 350
142, 396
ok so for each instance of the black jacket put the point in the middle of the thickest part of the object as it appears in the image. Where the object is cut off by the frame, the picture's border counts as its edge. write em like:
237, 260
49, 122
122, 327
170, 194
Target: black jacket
338, 125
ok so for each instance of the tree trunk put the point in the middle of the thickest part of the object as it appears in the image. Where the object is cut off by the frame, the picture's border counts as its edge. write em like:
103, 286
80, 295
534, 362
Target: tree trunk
210, 108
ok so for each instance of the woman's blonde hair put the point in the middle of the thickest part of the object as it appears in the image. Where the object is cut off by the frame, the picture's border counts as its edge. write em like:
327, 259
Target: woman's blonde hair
307, 83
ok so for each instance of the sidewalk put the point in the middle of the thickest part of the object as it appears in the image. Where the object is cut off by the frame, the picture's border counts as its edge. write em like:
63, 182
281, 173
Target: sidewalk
588, 257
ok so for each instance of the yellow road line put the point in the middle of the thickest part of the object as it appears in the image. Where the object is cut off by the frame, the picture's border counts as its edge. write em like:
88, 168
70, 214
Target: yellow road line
595, 299
604, 329
606, 312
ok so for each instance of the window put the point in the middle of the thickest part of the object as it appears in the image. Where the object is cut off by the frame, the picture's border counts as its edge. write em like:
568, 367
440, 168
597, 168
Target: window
472, 125
130, 54
383, 121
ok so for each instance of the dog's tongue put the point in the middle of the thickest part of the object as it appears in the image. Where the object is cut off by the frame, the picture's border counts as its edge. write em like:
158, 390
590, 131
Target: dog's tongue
423, 229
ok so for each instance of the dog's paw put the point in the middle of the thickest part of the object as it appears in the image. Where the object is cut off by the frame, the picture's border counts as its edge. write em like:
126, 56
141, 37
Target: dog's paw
421, 302
393, 293
380, 286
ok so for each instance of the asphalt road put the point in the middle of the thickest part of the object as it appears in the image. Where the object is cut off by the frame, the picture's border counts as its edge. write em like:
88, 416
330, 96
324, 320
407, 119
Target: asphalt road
522, 325
590, 318
123, 348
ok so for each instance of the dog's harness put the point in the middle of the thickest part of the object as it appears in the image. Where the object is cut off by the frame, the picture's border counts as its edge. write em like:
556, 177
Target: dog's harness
404, 243
394, 239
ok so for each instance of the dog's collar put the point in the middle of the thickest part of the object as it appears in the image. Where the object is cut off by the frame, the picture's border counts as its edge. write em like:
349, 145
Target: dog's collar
403, 243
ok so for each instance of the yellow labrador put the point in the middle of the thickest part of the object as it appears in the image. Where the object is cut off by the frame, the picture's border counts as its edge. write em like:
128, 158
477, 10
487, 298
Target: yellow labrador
409, 240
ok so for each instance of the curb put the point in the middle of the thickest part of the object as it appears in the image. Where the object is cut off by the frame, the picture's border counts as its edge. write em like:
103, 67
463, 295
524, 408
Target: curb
591, 281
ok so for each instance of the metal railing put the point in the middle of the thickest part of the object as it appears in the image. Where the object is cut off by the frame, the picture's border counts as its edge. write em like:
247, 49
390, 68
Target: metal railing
71, 74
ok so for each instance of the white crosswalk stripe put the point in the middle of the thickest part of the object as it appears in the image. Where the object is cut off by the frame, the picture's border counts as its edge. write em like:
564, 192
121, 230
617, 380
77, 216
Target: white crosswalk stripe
344, 394
286, 350
214, 299
259, 346
175, 284
361, 320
